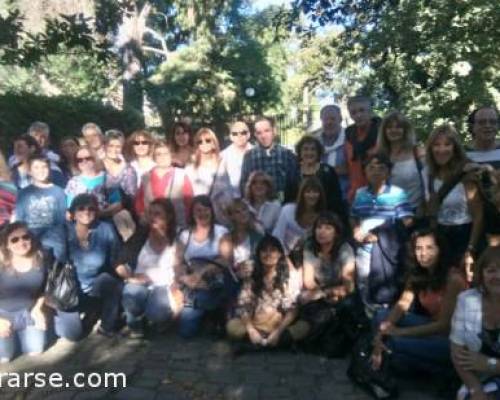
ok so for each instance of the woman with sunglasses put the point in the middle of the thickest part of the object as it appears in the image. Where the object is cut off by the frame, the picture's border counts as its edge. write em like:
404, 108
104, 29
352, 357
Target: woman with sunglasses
261, 197
181, 143
165, 181
93, 246
232, 156
22, 280
208, 173
138, 152
91, 179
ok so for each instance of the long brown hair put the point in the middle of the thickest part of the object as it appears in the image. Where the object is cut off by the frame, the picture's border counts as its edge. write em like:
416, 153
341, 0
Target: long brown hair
128, 148
459, 158
309, 183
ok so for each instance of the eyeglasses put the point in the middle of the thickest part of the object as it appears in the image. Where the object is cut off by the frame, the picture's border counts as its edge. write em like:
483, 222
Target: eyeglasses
86, 208
206, 141
16, 239
141, 143
82, 159
239, 133
484, 122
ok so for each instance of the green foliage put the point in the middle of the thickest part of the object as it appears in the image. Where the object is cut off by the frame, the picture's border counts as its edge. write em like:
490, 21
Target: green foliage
64, 114
433, 59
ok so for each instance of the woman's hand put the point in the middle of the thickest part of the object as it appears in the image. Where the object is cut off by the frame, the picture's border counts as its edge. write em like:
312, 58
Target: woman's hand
255, 336
274, 338
5, 328
386, 328
471, 360
306, 296
379, 347
139, 279
39, 319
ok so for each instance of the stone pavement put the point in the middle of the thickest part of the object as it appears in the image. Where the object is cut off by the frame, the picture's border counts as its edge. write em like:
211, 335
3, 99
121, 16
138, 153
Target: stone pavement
171, 368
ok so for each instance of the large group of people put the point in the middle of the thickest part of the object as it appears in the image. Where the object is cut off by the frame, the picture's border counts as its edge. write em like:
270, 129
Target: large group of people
175, 232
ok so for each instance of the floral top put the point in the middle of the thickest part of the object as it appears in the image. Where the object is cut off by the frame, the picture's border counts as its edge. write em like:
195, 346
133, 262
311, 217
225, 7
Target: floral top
83, 184
271, 299
126, 180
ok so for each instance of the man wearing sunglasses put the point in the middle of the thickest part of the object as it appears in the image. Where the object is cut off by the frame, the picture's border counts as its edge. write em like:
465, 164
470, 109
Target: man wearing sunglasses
233, 155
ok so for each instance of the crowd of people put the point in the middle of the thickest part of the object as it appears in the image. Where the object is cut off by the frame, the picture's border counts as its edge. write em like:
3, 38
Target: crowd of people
256, 240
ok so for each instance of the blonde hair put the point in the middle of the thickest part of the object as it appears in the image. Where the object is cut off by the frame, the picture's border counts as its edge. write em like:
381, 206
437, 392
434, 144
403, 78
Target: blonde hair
271, 192
205, 132
383, 144
458, 159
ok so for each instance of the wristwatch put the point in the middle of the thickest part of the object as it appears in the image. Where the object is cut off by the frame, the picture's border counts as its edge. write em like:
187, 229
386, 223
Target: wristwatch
492, 364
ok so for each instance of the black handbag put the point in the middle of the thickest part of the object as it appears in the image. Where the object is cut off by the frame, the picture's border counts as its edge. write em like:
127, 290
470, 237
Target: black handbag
62, 289
380, 384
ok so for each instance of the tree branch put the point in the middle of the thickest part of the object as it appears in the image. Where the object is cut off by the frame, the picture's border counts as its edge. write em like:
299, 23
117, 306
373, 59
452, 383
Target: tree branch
155, 50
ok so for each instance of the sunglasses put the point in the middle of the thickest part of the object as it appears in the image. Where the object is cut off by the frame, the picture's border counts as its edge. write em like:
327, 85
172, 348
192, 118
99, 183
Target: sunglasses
141, 142
82, 159
16, 239
206, 141
86, 208
239, 133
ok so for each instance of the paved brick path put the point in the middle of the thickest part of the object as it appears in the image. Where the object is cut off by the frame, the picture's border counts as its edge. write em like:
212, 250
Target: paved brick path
170, 368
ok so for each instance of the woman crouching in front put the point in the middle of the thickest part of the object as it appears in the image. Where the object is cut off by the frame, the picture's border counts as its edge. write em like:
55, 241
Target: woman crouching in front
266, 308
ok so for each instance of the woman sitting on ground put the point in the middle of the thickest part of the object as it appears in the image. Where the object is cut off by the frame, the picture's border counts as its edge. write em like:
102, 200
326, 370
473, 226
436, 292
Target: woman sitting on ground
475, 330
148, 295
297, 219
204, 260
260, 195
266, 308
22, 283
416, 329
328, 262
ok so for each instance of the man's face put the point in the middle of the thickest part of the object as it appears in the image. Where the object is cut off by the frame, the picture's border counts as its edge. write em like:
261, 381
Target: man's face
264, 133
240, 134
93, 138
41, 137
361, 112
331, 119
485, 126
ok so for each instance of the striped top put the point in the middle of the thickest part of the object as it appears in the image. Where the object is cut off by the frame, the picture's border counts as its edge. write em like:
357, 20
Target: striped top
373, 210
8, 193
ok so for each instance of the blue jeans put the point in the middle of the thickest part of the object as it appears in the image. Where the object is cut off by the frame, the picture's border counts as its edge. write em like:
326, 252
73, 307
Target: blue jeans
103, 298
192, 314
417, 353
30, 339
151, 302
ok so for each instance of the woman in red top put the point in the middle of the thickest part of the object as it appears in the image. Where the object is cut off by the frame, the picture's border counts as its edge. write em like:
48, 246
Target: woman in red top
416, 329
165, 181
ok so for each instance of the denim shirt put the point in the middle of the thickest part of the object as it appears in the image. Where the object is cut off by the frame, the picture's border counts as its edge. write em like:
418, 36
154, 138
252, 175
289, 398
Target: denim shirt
98, 257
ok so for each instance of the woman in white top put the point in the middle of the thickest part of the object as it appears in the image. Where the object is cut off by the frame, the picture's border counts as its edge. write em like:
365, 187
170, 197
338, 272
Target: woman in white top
296, 219
261, 196
138, 152
208, 174
203, 272
396, 139
149, 292
459, 213
475, 328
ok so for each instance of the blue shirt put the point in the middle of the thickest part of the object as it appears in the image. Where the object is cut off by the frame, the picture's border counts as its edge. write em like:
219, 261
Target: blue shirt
374, 210
97, 257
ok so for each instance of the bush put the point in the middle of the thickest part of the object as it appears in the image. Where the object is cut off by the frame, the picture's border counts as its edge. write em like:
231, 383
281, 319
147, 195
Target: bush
64, 114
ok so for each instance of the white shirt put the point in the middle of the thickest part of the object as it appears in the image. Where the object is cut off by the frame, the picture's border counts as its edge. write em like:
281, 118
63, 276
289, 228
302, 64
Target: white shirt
287, 229
209, 248
233, 160
158, 267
